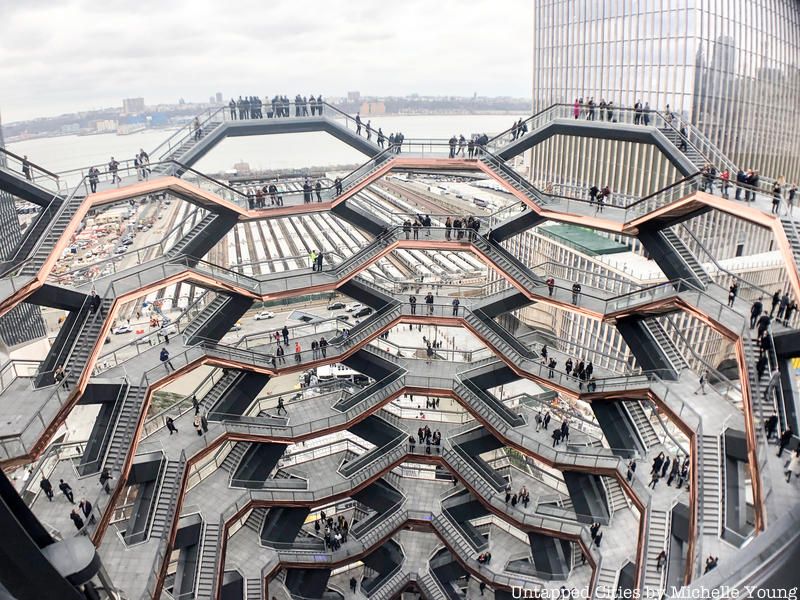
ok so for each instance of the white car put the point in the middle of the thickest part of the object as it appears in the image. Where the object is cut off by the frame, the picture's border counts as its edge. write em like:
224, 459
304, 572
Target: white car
353, 306
264, 314
122, 329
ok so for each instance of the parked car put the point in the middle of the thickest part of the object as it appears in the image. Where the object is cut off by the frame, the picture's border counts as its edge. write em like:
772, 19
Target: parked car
363, 312
336, 306
236, 327
121, 329
353, 306
264, 314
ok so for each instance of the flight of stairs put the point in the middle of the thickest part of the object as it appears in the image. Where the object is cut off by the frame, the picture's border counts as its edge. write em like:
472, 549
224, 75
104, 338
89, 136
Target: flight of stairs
711, 485
498, 337
31, 236
169, 482
697, 159
643, 425
255, 521
53, 234
363, 256
662, 339
215, 393
254, 588
516, 180
208, 561
657, 540
85, 342
793, 235
194, 232
125, 425
760, 407
509, 263
617, 500
606, 586
234, 456
190, 142
701, 277
204, 315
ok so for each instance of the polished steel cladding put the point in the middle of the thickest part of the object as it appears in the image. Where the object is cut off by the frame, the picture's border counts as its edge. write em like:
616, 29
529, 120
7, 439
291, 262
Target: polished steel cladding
731, 68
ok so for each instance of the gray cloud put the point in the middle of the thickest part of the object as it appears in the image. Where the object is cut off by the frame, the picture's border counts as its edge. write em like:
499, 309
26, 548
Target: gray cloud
64, 55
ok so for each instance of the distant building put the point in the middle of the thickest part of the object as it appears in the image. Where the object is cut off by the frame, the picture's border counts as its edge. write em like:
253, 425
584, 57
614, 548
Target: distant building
241, 168
211, 99
106, 125
372, 108
219, 98
71, 128
354, 97
133, 105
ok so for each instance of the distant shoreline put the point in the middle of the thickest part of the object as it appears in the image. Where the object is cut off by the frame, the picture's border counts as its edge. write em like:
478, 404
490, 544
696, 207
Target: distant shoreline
447, 113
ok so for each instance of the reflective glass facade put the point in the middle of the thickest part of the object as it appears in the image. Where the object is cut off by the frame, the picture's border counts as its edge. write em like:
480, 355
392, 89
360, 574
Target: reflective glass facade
732, 67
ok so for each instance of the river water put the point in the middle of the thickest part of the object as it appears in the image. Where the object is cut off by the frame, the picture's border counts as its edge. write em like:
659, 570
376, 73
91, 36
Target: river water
285, 151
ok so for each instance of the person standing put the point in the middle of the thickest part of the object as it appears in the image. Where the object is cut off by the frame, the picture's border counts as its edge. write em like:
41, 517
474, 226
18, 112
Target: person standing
755, 311
318, 190
26, 168
105, 477
232, 108
86, 508
198, 426
298, 352
113, 168
171, 425
703, 381
94, 178
285, 333
281, 406
358, 124
456, 303
794, 466
164, 356
551, 285
576, 292
76, 519
784, 440
66, 490
412, 301
47, 488
776, 298
204, 423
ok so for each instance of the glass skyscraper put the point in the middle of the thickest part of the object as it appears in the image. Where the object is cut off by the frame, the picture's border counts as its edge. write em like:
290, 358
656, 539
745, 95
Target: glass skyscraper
730, 67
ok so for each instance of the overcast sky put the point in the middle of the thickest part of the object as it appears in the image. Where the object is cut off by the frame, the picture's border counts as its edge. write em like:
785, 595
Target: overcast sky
60, 56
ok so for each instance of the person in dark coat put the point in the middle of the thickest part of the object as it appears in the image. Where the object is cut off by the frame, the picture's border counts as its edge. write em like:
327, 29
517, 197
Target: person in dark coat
66, 490
47, 488
76, 518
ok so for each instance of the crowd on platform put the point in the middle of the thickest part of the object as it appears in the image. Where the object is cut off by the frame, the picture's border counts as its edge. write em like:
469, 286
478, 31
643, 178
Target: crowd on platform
252, 107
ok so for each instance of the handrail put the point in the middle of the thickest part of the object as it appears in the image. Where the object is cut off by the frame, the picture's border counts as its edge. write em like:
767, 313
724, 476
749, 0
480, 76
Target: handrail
34, 167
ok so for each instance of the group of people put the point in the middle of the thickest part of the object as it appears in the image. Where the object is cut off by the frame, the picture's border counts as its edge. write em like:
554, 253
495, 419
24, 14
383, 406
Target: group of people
598, 197
523, 496
200, 422
461, 146
589, 110
315, 259
425, 435
83, 513
334, 532
412, 301
747, 186
662, 464
252, 107
580, 370
518, 129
